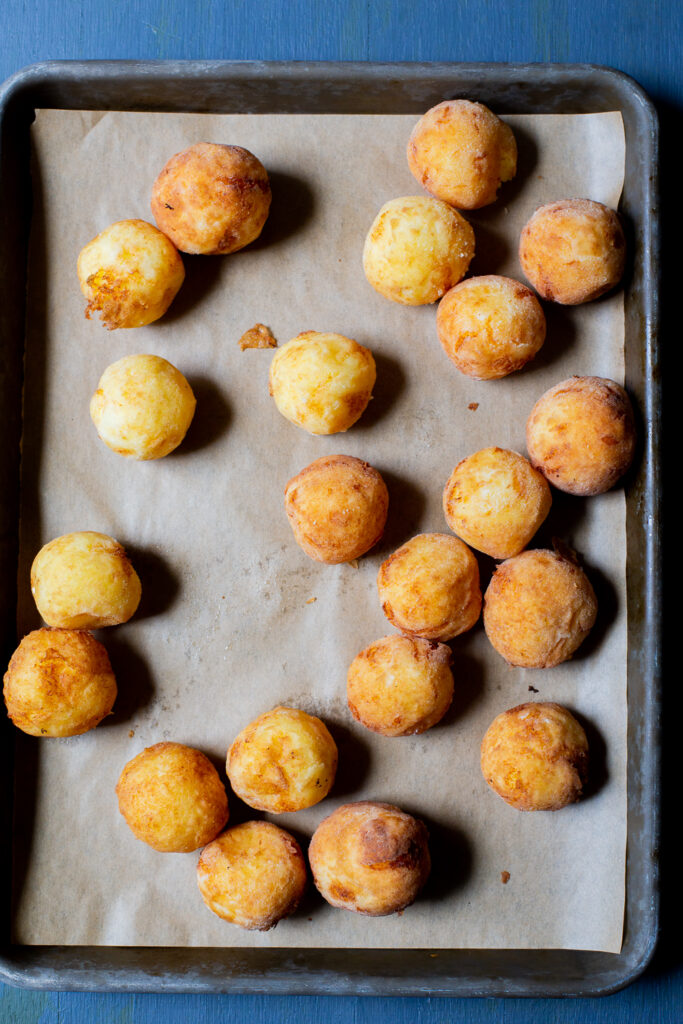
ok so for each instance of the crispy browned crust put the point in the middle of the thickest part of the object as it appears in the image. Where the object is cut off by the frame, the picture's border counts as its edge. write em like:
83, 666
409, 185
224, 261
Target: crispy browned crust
581, 434
370, 857
337, 507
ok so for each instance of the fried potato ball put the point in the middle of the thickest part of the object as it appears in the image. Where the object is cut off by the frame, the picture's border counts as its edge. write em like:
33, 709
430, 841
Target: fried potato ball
535, 756
322, 382
490, 326
495, 501
370, 857
429, 587
538, 608
285, 760
59, 683
461, 152
416, 249
573, 251
172, 798
212, 199
84, 581
129, 273
337, 507
400, 685
581, 434
253, 875
143, 407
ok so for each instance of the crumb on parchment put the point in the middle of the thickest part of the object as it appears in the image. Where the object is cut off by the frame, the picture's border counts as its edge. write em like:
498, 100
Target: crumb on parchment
473, 406
505, 877
311, 600
258, 336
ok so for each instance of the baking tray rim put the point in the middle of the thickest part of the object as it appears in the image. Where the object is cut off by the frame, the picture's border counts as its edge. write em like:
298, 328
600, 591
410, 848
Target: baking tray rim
38, 968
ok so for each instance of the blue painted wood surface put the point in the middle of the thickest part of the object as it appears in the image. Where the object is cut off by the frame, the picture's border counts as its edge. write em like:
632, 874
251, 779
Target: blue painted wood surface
643, 38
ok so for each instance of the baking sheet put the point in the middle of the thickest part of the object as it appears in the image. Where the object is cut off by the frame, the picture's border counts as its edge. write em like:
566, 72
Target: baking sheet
226, 630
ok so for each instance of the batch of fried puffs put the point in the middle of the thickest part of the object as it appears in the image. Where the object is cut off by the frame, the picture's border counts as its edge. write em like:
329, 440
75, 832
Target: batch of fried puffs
368, 857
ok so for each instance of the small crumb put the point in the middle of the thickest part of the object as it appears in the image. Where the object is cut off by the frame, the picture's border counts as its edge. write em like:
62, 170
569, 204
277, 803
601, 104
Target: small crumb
311, 600
505, 877
532, 689
258, 336
353, 563
473, 406
310, 919
131, 733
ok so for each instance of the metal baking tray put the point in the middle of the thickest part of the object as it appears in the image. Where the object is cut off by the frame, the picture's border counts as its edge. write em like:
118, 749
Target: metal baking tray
224, 87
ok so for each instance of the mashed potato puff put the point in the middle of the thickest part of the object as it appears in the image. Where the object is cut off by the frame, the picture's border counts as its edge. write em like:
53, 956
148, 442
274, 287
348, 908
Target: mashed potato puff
573, 251
212, 199
399, 686
337, 508
59, 683
322, 382
369, 857
143, 407
172, 798
495, 501
416, 249
253, 875
461, 152
538, 608
283, 761
490, 326
535, 756
129, 273
581, 435
84, 581
429, 587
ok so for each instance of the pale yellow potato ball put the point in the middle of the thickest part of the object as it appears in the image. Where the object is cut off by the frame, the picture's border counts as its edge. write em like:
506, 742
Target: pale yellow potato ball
573, 251
59, 683
399, 685
143, 407
370, 857
581, 434
322, 382
416, 249
285, 760
253, 875
538, 608
429, 587
212, 199
535, 756
130, 274
461, 152
495, 501
84, 581
172, 798
490, 326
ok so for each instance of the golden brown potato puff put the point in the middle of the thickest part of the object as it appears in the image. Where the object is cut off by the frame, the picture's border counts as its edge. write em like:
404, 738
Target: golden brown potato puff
573, 251
535, 756
285, 760
399, 685
322, 382
370, 857
581, 434
59, 683
337, 507
461, 152
172, 798
212, 199
490, 326
429, 587
84, 580
495, 501
538, 608
253, 875
416, 249
129, 273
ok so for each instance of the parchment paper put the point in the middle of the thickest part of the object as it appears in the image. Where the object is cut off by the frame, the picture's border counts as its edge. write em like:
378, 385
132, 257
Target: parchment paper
227, 628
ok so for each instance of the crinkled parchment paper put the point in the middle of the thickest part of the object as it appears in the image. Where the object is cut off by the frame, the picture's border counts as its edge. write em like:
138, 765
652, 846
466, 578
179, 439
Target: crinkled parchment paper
227, 627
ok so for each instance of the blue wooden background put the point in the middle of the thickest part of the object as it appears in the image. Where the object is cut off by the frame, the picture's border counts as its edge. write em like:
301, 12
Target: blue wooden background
643, 38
